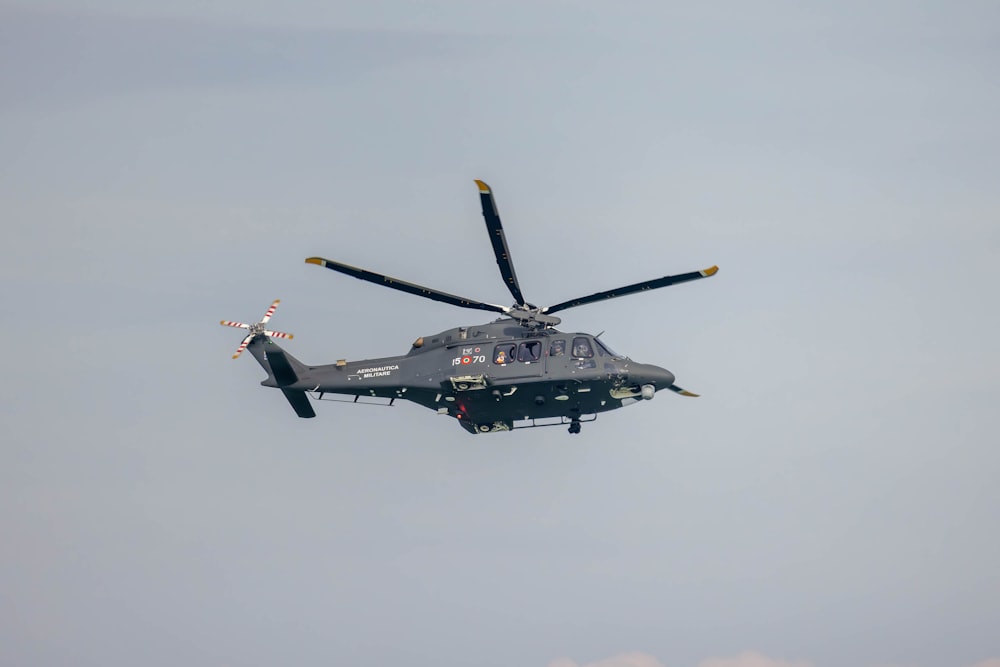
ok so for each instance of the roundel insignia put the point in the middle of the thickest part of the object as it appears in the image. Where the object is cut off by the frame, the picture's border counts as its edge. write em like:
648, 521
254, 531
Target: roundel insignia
466, 360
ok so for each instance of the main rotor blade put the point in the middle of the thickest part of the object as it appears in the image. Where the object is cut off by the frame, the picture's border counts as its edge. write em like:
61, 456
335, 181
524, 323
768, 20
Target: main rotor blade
403, 286
632, 289
499, 241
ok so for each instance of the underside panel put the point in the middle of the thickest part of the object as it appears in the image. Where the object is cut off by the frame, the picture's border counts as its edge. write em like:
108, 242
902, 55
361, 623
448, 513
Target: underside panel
507, 403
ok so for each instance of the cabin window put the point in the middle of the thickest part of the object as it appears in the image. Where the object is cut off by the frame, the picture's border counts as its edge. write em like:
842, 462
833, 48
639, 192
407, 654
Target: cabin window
530, 351
582, 348
558, 348
504, 354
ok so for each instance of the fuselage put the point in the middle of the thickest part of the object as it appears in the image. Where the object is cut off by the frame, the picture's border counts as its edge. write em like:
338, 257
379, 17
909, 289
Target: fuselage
489, 376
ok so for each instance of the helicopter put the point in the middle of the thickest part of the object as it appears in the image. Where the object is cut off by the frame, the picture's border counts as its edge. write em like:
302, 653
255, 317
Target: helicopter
515, 372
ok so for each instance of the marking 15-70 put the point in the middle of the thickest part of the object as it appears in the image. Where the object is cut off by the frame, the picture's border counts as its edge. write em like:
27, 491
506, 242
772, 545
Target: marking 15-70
470, 355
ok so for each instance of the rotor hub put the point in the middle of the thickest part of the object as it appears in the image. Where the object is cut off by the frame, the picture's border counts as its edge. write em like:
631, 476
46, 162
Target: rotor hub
532, 316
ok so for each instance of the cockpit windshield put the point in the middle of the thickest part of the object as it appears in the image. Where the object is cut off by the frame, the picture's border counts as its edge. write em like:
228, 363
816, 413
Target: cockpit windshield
604, 348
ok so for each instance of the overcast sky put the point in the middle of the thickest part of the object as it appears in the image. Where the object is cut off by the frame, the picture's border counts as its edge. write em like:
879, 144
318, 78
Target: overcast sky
830, 501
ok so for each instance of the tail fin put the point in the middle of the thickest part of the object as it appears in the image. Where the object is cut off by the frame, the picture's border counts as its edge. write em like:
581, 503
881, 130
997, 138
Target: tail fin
283, 370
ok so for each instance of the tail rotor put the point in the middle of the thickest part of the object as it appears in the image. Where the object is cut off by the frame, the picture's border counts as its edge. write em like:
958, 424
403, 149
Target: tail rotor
256, 329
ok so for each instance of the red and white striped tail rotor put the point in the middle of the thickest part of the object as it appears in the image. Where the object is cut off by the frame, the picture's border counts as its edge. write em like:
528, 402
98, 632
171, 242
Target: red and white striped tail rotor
270, 312
257, 329
243, 346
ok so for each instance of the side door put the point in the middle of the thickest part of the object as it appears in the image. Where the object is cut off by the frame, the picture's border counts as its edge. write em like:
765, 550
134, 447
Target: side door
516, 359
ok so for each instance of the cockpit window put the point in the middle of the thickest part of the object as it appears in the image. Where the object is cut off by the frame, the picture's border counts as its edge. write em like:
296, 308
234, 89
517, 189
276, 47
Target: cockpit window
558, 348
530, 351
504, 354
582, 348
604, 349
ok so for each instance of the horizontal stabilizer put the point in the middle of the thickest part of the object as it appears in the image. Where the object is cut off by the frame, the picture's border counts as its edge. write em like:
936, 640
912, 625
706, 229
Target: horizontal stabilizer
300, 403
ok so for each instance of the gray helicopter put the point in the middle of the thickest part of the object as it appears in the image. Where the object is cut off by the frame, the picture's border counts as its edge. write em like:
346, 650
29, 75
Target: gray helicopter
518, 371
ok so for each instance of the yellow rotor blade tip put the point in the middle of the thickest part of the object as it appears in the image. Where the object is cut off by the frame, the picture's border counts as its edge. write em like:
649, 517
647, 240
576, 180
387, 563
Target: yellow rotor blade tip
482, 186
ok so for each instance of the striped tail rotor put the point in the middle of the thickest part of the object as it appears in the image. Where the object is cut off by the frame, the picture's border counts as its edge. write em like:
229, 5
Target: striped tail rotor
270, 312
256, 329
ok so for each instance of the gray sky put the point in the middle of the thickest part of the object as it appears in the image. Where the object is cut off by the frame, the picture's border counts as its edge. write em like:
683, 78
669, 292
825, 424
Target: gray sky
830, 501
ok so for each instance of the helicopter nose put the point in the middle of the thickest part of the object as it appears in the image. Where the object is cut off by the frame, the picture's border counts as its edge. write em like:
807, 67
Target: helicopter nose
648, 374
